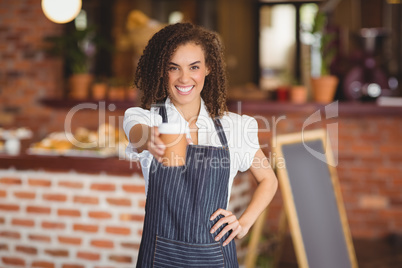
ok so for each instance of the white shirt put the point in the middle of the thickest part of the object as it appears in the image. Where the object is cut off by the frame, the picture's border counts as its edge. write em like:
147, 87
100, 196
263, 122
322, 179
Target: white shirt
241, 133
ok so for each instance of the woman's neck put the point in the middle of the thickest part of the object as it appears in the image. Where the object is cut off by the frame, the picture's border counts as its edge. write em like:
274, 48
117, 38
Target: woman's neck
189, 112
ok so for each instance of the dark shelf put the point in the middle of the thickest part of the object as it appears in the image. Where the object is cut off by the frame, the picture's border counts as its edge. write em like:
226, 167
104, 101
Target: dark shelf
344, 108
254, 107
275, 2
67, 103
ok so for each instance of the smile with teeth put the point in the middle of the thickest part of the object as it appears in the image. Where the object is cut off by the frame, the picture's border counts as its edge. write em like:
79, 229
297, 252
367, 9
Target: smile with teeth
184, 89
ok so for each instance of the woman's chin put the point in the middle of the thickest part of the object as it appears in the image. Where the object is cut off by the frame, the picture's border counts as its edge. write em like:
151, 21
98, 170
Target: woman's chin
185, 99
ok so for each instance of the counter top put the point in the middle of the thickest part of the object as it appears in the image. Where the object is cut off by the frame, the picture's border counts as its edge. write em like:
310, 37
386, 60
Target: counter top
111, 165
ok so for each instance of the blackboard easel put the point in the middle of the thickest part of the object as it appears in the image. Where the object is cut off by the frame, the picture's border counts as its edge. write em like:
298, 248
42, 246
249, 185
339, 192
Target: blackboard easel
313, 201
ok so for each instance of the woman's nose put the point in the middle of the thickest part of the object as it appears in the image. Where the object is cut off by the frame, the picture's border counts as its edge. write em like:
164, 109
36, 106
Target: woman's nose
184, 76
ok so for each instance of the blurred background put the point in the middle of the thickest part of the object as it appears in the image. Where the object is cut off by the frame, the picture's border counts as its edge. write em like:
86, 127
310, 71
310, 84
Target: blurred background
70, 198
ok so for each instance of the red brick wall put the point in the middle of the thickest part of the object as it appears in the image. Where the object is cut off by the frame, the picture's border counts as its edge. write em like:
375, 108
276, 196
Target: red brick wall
28, 75
370, 171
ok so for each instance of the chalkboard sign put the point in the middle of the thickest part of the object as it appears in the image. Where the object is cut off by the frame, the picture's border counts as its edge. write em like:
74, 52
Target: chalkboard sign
313, 201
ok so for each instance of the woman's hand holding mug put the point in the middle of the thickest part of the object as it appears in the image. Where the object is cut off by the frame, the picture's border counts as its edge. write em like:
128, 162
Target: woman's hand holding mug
155, 145
168, 144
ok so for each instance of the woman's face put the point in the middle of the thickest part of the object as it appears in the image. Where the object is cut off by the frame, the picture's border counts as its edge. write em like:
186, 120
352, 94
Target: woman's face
187, 71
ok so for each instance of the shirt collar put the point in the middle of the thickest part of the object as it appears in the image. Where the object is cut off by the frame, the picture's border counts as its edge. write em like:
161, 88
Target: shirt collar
203, 116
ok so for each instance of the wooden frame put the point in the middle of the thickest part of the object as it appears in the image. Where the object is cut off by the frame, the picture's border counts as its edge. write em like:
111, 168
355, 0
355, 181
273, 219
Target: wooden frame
289, 203
255, 234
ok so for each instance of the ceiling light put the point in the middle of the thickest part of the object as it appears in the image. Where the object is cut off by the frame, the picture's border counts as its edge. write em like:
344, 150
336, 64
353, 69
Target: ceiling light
61, 11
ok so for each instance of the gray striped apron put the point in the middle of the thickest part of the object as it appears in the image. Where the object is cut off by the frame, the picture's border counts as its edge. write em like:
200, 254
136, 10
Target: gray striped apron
180, 201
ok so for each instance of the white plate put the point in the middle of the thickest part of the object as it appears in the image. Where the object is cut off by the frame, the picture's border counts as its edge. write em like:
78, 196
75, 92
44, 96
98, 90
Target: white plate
94, 154
38, 151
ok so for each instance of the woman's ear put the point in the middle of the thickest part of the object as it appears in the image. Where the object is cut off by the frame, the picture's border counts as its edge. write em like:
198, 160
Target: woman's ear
206, 71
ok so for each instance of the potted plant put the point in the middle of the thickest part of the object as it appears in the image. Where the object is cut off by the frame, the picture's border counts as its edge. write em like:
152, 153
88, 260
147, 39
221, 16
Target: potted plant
117, 89
99, 89
298, 92
78, 49
324, 84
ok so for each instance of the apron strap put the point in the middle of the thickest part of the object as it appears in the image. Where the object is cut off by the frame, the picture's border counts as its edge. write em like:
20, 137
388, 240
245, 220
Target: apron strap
221, 133
163, 113
217, 123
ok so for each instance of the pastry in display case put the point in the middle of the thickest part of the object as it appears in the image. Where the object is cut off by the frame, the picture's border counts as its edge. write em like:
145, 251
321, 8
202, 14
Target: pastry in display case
55, 143
107, 141
10, 139
20, 133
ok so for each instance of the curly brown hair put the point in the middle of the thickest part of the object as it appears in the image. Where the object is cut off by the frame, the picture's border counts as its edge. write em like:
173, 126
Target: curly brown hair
151, 76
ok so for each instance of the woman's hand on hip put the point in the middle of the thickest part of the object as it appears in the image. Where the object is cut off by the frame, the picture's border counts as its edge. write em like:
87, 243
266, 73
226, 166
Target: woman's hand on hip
155, 144
232, 224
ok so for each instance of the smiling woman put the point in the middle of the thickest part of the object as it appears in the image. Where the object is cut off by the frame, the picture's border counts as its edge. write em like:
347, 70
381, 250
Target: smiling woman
187, 223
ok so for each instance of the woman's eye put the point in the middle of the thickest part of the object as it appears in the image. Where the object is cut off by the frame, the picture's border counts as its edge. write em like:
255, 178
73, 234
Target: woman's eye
195, 67
173, 68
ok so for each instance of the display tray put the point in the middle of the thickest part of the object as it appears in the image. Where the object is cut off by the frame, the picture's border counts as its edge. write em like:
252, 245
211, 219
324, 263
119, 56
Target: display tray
71, 153
94, 154
34, 151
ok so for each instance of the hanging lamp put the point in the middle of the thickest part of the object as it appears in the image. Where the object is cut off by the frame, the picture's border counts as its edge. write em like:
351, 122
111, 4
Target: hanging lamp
61, 11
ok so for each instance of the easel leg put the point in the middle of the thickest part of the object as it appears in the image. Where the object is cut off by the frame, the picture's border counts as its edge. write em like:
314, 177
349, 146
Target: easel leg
283, 227
252, 253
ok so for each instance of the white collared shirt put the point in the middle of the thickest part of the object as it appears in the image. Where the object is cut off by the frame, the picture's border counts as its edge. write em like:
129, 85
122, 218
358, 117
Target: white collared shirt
241, 133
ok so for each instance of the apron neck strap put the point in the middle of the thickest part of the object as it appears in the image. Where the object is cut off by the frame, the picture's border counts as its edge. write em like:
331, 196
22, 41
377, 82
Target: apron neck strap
163, 113
221, 133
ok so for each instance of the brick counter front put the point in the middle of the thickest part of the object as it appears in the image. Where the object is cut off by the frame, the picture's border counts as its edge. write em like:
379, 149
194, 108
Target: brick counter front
69, 219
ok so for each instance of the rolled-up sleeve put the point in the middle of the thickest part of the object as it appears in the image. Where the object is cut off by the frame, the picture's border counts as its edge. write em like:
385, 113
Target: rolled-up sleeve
250, 143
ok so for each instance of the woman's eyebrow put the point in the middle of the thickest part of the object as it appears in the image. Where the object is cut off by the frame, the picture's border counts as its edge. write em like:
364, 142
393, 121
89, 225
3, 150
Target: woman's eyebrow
175, 64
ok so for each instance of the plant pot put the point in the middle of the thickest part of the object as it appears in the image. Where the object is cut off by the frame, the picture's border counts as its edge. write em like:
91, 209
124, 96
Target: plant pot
117, 93
324, 88
79, 86
282, 93
298, 94
132, 94
99, 91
